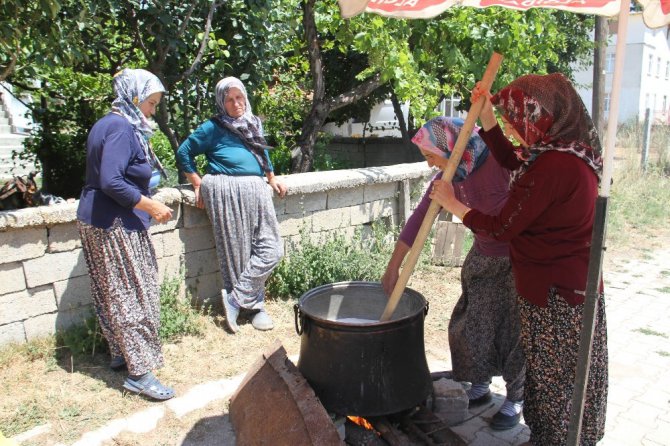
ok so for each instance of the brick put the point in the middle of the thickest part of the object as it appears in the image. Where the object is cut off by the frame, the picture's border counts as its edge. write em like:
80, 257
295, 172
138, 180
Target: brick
380, 191
279, 204
331, 219
197, 263
54, 267
40, 326
205, 288
73, 293
63, 238
74, 317
171, 224
11, 278
342, 198
194, 217
172, 243
23, 244
197, 238
292, 224
28, 303
169, 267
305, 203
12, 334
157, 242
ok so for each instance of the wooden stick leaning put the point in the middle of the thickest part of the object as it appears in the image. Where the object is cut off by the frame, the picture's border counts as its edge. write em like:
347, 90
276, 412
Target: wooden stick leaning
434, 209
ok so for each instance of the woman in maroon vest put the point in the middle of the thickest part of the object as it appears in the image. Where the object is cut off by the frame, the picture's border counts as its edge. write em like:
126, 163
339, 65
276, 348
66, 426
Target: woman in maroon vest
548, 220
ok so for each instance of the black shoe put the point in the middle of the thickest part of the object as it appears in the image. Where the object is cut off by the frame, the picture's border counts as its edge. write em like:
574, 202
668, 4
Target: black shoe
502, 422
484, 399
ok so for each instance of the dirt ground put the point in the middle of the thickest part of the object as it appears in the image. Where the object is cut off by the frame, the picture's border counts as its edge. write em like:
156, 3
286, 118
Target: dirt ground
78, 395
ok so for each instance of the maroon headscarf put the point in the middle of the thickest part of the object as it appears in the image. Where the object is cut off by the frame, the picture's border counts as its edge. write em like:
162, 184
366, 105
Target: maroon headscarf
549, 115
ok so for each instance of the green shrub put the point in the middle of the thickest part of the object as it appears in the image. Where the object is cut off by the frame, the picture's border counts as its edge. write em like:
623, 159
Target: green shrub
337, 258
178, 317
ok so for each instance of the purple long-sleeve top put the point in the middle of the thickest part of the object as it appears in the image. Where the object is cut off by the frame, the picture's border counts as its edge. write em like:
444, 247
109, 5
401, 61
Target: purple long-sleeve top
117, 175
485, 189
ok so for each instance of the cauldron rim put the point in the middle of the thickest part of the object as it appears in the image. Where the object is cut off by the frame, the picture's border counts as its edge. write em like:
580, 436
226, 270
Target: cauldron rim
349, 325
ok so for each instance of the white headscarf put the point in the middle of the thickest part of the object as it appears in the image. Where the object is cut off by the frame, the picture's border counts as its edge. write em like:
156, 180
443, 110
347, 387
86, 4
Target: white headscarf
132, 87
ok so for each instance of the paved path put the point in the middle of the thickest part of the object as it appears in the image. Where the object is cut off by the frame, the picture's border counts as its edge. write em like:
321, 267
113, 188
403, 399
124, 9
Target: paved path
638, 411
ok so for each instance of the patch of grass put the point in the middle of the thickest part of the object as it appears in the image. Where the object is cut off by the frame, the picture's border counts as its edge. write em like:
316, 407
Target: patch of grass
650, 332
664, 290
664, 273
639, 202
663, 353
25, 416
34, 350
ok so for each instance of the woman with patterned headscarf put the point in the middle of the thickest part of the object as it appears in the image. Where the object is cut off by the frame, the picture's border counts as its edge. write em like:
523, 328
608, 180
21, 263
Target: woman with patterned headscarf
548, 221
484, 325
114, 215
237, 200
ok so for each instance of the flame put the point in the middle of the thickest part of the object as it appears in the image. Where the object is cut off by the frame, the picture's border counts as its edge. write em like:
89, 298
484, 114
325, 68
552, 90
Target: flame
361, 422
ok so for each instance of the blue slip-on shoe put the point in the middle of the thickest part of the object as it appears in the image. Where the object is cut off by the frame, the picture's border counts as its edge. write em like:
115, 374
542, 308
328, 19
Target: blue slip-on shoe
262, 321
149, 385
231, 311
117, 363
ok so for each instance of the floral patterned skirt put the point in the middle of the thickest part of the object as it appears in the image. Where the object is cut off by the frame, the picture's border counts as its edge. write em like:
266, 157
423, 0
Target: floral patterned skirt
124, 286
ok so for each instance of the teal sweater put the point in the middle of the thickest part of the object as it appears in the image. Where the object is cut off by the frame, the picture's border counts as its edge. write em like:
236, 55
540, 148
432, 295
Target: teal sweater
225, 152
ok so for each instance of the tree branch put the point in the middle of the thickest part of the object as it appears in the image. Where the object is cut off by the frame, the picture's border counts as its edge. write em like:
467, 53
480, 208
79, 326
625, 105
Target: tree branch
205, 40
353, 95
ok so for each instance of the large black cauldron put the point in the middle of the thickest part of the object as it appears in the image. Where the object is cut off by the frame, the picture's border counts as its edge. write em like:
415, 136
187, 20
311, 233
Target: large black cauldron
358, 367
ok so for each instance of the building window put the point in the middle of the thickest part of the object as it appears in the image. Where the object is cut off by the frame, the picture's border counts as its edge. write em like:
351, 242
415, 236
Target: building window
609, 63
606, 102
667, 70
658, 68
646, 101
665, 103
651, 65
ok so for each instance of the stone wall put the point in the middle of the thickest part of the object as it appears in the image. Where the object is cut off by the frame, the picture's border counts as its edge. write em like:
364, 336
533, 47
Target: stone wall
44, 284
370, 152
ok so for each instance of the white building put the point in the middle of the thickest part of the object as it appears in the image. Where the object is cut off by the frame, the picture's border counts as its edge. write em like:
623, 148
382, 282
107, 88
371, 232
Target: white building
646, 73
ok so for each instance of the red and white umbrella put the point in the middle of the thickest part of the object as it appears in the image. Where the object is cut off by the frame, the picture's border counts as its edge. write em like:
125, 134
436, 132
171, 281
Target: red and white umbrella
656, 13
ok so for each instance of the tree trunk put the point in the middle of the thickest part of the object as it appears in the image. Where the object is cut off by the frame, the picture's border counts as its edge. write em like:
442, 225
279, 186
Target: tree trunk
302, 157
401, 119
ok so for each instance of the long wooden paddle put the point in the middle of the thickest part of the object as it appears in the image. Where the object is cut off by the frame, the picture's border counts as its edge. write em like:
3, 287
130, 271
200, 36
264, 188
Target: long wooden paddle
449, 170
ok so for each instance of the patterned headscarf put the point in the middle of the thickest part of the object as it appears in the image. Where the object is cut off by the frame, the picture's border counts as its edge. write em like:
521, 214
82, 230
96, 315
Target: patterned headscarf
548, 114
439, 136
132, 87
247, 127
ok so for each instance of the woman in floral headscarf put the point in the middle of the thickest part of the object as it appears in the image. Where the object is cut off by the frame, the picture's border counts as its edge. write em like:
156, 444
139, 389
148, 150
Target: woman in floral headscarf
237, 200
484, 325
114, 214
548, 220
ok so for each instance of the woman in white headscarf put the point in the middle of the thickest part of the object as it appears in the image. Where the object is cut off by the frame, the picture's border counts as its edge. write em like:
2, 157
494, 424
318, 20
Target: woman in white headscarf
114, 214
237, 200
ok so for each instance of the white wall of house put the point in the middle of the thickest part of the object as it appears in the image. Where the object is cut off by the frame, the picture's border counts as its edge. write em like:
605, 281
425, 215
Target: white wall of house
646, 73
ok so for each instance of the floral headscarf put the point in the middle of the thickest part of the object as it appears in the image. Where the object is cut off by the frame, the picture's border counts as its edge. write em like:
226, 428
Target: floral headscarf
548, 114
247, 127
132, 87
439, 136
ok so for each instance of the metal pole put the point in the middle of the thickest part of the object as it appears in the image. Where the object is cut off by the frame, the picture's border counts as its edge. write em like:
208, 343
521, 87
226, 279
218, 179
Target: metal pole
598, 238
645, 139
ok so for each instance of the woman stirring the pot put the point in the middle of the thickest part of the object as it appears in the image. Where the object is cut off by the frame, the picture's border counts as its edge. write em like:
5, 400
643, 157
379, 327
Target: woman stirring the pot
548, 221
484, 325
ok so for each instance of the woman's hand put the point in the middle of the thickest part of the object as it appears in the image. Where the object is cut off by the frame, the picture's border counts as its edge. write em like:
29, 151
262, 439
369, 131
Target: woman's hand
199, 202
278, 186
443, 194
160, 212
487, 117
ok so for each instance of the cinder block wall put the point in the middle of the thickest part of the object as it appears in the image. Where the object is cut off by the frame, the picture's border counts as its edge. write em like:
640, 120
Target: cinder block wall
44, 283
